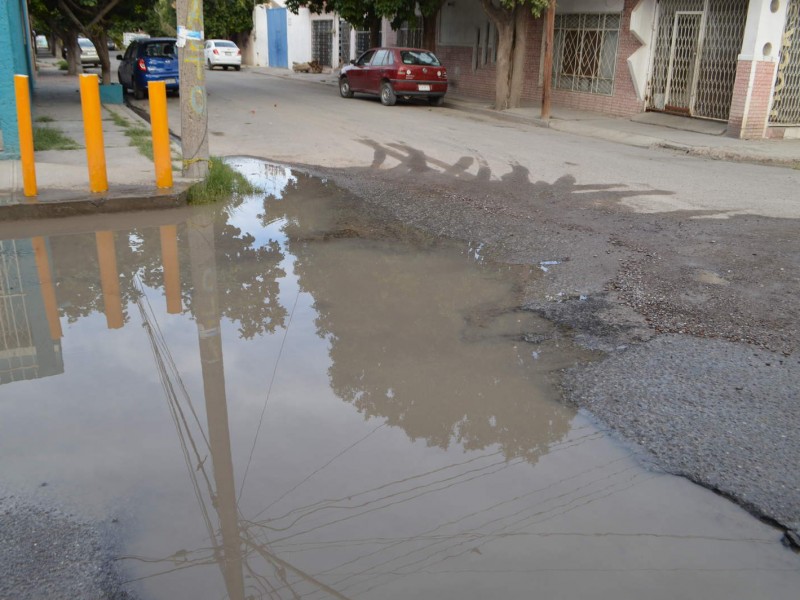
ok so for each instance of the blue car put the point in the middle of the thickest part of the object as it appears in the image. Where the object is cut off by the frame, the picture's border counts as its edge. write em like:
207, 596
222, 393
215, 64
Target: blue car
149, 59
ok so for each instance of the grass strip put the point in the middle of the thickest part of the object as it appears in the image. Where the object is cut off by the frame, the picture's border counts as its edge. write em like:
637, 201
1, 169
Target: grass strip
47, 138
142, 139
221, 183
44, 119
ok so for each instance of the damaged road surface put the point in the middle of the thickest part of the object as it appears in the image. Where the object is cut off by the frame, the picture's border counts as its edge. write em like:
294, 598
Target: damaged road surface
311, 392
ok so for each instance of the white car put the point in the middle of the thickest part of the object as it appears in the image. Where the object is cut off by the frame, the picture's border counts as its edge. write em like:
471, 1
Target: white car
223, 53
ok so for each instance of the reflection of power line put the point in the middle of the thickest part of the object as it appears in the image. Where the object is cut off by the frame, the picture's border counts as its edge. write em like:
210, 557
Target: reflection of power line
424, 561
224, 554
269, 391
471, 534
317, 470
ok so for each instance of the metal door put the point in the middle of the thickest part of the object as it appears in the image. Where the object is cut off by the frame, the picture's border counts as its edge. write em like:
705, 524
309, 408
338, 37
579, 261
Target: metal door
684, 58
277, 46
786, 98
322, 42
696, 49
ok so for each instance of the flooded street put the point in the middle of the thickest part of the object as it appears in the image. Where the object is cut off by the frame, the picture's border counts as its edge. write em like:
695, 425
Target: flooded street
288, 397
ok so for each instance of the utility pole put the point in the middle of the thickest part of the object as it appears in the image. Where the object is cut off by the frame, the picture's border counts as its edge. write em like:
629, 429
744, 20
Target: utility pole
547, 68
194, 108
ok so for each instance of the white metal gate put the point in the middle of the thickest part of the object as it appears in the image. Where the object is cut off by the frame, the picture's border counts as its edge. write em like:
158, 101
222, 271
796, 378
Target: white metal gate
786, 98
696, 49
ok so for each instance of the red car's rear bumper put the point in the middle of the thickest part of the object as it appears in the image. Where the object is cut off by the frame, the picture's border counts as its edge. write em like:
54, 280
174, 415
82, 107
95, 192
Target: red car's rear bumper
406, 87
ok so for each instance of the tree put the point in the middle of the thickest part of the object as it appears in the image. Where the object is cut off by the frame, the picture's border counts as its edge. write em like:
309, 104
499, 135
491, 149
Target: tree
94, 18
510, 17
47, 19
405, 11
228, 19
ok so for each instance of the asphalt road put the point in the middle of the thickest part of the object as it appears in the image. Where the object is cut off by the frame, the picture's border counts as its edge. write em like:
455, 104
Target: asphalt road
683, 271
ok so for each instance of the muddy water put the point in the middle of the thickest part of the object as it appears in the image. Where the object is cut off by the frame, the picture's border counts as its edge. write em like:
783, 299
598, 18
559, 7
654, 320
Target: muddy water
285, 398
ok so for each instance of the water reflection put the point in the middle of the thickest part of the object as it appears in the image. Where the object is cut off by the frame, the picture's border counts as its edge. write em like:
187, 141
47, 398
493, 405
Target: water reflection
353, 412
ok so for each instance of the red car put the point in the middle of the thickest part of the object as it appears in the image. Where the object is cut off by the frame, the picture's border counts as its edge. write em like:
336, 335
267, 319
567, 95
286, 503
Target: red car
393, 72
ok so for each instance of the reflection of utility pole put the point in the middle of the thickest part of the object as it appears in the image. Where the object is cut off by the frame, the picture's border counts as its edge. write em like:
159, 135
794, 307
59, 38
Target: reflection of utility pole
194, 110
205, 306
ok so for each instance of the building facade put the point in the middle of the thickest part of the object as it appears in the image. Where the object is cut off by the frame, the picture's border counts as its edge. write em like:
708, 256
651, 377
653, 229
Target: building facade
736, 61
16, 58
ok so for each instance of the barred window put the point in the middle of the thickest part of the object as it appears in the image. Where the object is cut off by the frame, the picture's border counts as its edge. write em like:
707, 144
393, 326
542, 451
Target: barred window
409, 37
585, 52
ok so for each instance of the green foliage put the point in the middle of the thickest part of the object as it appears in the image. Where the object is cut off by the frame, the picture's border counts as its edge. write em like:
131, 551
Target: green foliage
227, 18
47, 138
63, 65
44, 119
221, 183
537, 7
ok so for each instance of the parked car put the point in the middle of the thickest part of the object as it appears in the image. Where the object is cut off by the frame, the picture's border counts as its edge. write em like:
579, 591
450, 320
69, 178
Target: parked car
88, 52
222, 53
392, 72
149, 59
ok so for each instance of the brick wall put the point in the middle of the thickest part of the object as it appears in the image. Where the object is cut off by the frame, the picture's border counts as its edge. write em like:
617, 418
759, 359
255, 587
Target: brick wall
481, 83
752, 94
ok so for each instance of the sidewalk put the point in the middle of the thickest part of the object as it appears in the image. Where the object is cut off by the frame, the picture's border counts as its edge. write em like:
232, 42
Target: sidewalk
62, 175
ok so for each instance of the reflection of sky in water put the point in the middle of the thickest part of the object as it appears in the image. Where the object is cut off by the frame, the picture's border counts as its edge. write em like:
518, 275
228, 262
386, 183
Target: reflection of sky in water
365, 483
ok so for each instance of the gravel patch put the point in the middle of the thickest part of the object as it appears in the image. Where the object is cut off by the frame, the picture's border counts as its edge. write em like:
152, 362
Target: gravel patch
722, 414
47, 554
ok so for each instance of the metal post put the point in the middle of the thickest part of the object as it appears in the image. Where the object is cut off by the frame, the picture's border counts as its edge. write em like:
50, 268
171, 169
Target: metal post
47, 287
25, 125
159, 125
93, 132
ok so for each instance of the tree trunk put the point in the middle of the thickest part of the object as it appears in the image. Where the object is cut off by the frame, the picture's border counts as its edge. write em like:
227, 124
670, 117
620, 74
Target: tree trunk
504, 22
429, 32
73, 55
100, 41
374, 32
518, 57
505, 45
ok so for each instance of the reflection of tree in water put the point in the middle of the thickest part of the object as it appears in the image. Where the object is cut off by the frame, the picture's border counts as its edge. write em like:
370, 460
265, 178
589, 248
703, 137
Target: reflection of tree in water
398, 319
247, 274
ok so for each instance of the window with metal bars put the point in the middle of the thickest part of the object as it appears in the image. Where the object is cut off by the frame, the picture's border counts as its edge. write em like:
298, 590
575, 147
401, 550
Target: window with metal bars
585, 52
409, 37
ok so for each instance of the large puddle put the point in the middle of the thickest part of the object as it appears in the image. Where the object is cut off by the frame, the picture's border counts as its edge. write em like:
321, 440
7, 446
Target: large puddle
284, 398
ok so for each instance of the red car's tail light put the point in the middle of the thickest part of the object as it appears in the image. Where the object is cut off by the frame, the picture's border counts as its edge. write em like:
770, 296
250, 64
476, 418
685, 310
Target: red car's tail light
141, 65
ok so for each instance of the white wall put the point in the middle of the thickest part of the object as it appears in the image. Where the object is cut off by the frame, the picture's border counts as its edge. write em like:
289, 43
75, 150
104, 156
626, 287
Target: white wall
459, 21
299, 36
763, 27
643, 20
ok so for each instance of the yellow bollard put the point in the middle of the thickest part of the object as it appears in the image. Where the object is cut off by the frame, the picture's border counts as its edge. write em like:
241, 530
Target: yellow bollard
93, 131
22, 91
162, 157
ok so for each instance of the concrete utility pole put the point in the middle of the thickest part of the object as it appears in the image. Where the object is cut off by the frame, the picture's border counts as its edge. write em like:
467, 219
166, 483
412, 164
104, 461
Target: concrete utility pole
547, 68
194, 109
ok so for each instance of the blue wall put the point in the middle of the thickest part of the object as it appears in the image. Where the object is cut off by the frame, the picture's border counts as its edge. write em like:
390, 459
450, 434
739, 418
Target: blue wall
15, 59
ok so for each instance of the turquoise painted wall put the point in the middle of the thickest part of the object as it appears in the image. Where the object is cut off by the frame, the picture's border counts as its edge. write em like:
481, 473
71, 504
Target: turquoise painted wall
14, 60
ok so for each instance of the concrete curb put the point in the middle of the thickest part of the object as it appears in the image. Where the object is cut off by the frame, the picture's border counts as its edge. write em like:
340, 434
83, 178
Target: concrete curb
137, 199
